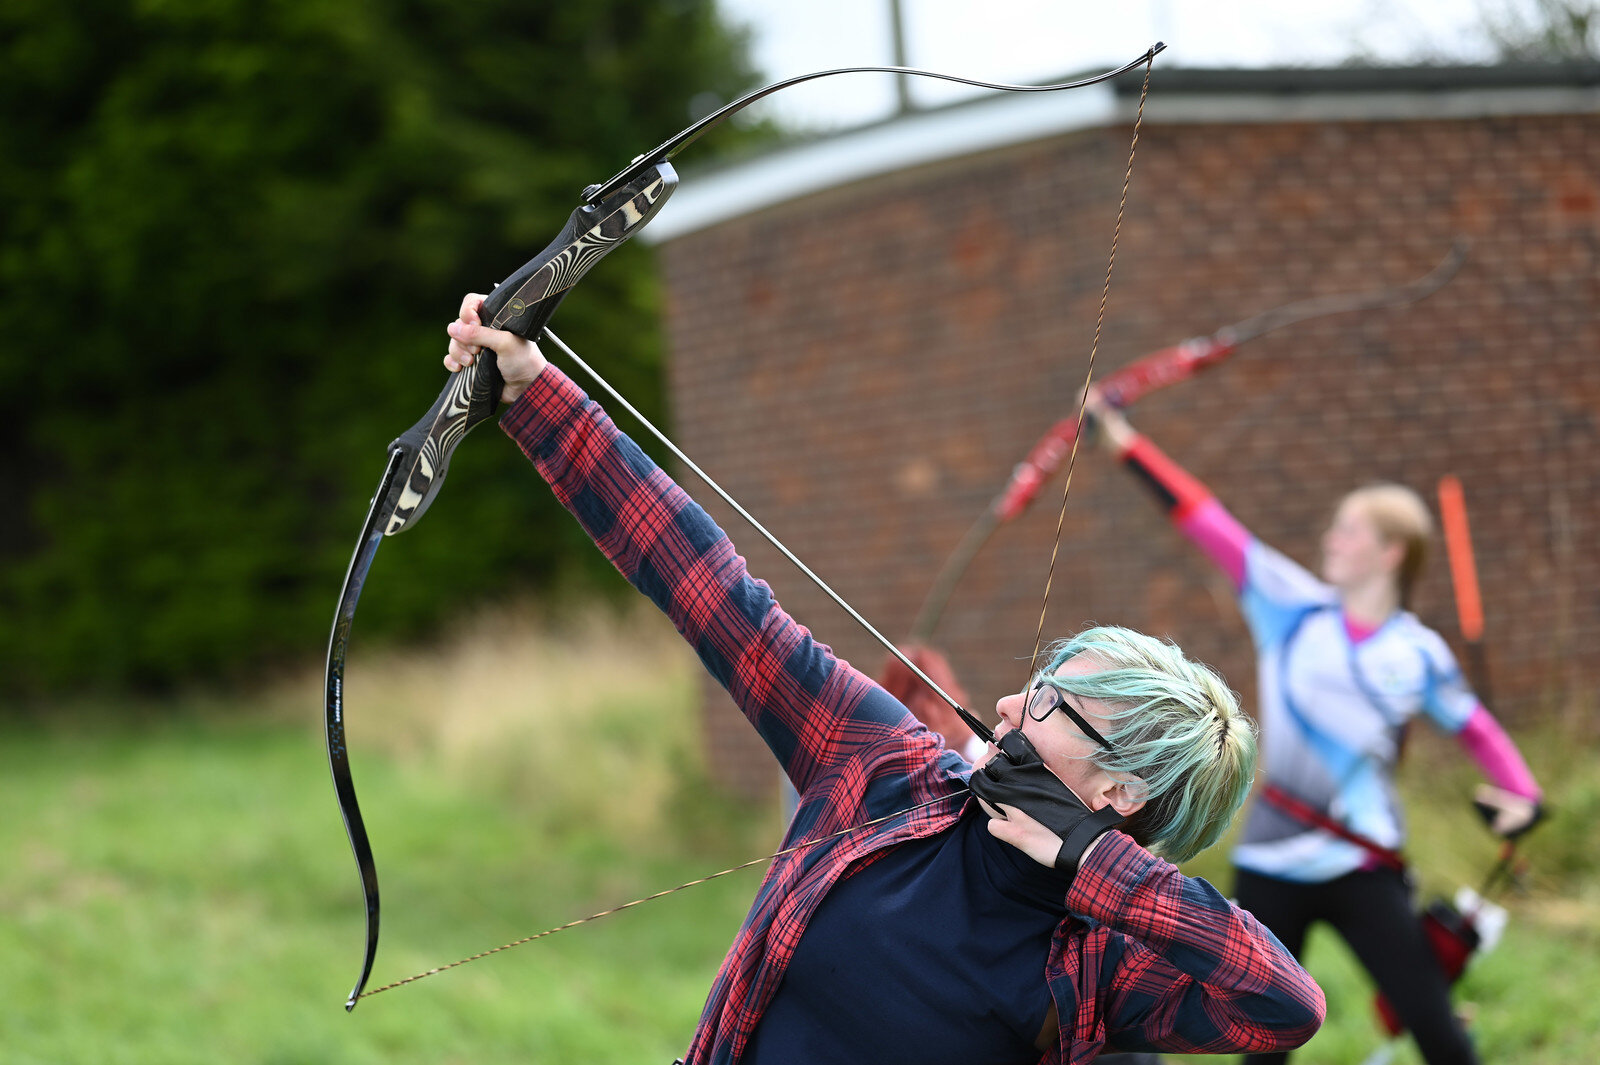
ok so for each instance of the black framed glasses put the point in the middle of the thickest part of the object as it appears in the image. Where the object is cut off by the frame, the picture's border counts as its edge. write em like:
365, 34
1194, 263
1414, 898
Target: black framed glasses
1046, 699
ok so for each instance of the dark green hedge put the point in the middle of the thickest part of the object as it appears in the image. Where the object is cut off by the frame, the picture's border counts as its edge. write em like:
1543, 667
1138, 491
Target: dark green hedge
231, 234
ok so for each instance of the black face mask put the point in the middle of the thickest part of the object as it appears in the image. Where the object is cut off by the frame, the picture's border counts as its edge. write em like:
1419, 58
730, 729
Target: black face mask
1019, 778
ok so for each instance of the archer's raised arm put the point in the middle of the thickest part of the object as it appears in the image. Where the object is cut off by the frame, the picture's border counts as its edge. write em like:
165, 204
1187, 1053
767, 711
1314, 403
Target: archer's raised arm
1188, 503
812, 708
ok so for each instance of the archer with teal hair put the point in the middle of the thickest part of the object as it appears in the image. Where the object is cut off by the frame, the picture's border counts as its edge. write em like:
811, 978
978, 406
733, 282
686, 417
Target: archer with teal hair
925, 908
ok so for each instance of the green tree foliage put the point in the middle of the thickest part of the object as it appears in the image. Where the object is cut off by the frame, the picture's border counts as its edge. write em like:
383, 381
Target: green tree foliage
231, 234
1544, 30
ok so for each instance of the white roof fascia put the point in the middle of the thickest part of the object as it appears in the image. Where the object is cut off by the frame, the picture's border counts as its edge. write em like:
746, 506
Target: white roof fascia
1006, 119
915, 140
1369, 106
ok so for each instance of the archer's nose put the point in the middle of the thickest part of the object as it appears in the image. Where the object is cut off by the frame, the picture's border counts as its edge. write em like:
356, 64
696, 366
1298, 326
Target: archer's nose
1009, 710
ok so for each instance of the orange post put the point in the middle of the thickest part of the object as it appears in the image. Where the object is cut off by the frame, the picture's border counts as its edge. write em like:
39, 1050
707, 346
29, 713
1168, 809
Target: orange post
1463, 569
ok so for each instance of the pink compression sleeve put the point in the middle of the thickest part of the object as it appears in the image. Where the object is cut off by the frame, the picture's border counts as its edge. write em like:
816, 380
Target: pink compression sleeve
1216, 532
1492, 749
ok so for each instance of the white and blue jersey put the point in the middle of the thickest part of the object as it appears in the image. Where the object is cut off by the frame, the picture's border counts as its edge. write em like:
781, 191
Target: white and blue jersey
1332, 710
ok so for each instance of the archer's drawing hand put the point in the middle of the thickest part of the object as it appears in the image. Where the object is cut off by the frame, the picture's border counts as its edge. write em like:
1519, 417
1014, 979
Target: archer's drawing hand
520, 358
1033, 809
1024, 833
1029, 836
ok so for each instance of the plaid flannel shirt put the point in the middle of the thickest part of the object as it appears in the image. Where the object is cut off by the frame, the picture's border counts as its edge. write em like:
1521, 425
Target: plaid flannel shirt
1146, 959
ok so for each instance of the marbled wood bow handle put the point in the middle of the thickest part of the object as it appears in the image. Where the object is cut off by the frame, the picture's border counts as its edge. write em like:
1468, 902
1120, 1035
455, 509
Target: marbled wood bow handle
418, 460
521, 304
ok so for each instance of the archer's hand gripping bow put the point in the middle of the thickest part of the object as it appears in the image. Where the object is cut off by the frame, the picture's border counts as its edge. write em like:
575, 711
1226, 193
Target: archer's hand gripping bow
610, 213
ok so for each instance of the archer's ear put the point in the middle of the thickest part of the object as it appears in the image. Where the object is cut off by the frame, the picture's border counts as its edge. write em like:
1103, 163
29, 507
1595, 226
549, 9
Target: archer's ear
1128, 797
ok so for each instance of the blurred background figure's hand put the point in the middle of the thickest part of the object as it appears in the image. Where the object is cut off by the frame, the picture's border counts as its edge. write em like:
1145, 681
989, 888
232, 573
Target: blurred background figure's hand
1505, 812
1114, 431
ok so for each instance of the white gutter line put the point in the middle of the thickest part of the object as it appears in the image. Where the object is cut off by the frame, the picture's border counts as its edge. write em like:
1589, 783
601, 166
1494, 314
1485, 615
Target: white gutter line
917, 139
1004, 120
1223, 108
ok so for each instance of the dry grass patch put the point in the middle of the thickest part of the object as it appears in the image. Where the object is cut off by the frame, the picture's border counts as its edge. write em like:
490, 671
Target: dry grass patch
584, 711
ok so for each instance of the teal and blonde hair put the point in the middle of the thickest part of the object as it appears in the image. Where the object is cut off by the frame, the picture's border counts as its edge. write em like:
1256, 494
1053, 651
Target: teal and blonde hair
1175, 725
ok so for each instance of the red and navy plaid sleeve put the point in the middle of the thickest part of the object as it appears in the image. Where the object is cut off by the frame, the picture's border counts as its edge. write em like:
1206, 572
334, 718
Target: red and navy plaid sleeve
854, 751
671, 550
1183, 970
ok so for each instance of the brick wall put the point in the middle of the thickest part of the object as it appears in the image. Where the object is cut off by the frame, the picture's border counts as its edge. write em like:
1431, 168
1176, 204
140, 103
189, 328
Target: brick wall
863, 367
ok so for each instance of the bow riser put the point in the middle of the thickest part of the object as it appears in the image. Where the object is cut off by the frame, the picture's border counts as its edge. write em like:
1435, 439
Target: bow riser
521, 304
1165, 367
590, 233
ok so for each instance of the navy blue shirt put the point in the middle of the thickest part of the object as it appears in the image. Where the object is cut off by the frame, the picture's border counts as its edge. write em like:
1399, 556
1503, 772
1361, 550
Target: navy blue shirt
936, 952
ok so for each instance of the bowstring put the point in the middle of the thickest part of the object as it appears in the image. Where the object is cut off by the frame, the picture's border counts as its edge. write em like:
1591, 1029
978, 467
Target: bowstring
1094, 347
659, 894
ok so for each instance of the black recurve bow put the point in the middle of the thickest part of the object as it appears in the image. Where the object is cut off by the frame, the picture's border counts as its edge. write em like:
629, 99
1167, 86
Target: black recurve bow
610, 212
1150, 373
419, 459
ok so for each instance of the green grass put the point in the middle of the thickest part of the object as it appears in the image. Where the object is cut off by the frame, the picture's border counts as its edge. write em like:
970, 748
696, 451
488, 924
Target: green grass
182, 892
187, 895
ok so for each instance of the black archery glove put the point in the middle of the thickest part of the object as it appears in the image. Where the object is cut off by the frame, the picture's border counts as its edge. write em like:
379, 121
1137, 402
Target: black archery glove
1018, 777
